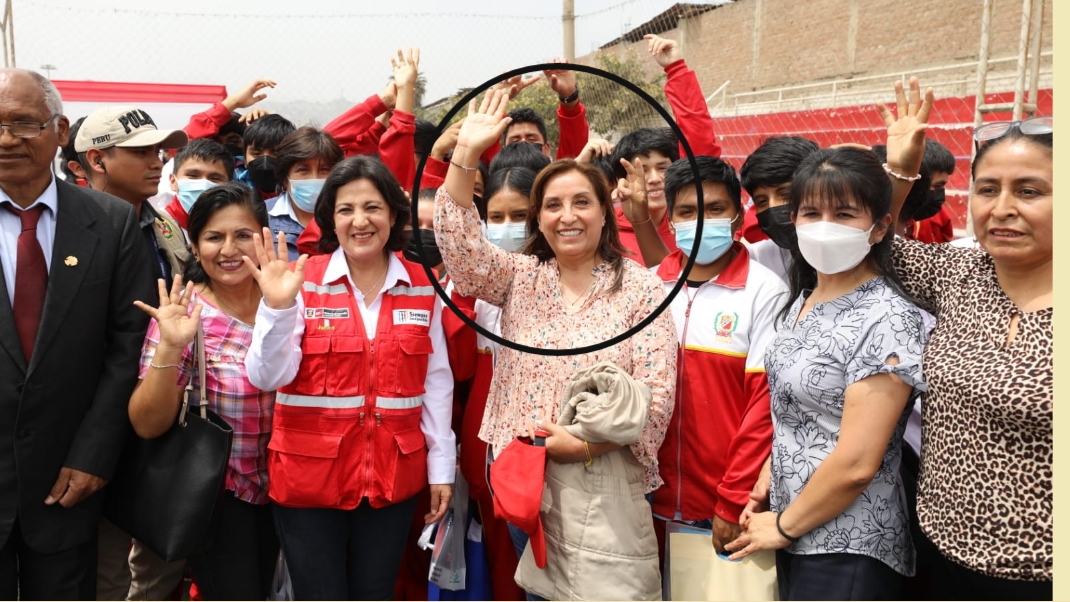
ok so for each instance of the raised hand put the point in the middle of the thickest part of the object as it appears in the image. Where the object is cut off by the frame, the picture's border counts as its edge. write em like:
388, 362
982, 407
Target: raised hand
484, 126
563, 81
446, 142
178, 327
247, 96
253, 115
406, 67
389, 95
278, 283
906, 129
595, 148
664, 50
515, 85
631, 190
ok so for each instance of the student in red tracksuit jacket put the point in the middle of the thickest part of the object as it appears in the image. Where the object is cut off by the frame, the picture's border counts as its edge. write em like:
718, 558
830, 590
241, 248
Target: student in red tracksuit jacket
720, 433
353, 342
658, 149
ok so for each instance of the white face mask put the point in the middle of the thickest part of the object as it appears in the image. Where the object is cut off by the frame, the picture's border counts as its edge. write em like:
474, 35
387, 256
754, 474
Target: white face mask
832, 248
509, 236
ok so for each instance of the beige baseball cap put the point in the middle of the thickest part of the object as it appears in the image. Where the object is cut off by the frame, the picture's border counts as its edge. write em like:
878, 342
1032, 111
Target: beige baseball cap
126, 127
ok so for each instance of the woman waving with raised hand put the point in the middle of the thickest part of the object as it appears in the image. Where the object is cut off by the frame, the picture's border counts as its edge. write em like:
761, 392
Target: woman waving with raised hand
220, 300
353, 341
570, 287
985, 488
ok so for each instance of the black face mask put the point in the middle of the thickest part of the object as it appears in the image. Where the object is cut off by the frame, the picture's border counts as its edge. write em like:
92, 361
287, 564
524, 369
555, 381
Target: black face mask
934, 200
262, 173
776, 223
431, 252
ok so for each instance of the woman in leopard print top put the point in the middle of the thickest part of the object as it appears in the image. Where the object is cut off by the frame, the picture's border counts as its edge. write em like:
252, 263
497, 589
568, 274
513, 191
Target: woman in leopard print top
985, 492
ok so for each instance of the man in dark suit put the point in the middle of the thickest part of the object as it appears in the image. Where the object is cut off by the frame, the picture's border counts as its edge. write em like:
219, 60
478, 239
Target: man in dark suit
68, 353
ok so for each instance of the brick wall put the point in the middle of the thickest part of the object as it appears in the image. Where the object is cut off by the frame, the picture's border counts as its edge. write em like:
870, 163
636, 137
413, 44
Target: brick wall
759, 44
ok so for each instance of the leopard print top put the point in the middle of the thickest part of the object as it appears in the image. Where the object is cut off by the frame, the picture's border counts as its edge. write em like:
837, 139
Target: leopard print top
985, 491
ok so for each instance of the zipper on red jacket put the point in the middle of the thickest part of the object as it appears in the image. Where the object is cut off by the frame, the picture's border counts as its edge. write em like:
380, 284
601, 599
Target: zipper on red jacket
370, 396
680, 406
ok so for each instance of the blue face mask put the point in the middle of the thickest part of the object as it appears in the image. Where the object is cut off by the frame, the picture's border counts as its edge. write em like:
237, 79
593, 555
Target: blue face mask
304, 193
716, 238
509, 236
189, 190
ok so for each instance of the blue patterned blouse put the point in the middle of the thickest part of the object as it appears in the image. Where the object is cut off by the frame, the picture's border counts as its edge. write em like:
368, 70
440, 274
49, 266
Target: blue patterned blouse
837, 344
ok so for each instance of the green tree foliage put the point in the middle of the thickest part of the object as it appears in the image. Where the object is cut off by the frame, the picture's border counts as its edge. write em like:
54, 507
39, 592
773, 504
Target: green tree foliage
612, 109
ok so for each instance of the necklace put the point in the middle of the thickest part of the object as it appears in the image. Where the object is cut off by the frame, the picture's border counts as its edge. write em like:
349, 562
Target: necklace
583, 294
378, 283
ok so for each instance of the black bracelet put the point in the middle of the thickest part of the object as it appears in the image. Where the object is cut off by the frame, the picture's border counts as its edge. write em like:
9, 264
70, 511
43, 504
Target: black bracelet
781, 529
571, 97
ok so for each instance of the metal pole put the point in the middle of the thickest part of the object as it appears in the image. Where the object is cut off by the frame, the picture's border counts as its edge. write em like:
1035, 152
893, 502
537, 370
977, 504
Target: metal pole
1035, 34
982, 62
568, 22
979, 98
1023, 47
10, 20
3, 31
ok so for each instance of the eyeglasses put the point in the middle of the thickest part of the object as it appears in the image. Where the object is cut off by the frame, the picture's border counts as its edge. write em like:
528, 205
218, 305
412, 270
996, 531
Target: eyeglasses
26, 129
1034, 126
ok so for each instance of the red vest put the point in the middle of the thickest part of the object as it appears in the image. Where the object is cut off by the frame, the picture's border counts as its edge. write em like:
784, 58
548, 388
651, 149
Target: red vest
348, 426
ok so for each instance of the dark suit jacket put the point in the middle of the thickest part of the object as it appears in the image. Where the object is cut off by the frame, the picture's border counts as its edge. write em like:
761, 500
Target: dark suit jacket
68, 406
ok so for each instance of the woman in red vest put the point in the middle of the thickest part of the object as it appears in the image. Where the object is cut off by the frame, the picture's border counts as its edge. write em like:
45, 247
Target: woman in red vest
362, 416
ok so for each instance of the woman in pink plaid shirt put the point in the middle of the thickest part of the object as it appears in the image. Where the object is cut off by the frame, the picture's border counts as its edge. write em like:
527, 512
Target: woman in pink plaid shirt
222, 297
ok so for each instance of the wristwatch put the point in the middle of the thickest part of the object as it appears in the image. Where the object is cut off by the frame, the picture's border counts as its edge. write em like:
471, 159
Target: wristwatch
571, 97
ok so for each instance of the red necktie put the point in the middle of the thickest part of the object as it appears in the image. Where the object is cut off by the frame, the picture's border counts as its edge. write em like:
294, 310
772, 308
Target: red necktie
31, 279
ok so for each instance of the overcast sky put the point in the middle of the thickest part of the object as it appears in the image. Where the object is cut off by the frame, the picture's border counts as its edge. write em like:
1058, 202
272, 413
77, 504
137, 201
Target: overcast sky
317, 50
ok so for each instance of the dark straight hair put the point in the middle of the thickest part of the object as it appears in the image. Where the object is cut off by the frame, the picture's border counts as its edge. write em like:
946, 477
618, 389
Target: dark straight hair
1014, 135
305, 143
373, 170
609, 245
208, 204
844, 177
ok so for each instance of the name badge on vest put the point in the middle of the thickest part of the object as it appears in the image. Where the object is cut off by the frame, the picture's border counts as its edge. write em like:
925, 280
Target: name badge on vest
417, 317
326, 313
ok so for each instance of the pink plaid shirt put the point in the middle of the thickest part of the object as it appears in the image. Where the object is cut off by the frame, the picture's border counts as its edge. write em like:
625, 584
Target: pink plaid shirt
230, 394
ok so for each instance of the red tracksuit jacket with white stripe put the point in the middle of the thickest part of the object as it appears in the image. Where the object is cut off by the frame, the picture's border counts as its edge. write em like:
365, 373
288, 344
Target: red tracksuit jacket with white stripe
721, 431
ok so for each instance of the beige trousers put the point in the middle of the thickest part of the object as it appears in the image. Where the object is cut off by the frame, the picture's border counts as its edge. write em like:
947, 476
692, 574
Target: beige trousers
127, 570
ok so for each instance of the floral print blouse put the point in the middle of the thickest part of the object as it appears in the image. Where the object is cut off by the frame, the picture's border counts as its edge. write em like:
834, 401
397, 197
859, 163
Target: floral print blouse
528, 388
810, 366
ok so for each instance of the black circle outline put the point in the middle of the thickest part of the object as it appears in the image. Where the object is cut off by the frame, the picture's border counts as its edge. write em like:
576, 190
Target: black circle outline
463, 103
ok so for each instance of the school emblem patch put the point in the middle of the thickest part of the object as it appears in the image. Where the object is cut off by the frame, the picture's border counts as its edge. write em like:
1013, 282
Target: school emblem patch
725, 323
165, 229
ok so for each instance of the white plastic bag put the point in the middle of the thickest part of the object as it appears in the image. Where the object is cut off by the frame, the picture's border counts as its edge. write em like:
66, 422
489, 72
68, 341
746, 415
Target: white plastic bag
447, 559
281, 587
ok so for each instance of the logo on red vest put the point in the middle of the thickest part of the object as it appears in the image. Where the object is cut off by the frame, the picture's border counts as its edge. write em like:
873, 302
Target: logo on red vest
326, 313
726, 324
418, 317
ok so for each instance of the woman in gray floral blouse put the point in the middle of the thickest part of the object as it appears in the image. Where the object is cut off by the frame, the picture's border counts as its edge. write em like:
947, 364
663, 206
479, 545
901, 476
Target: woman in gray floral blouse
846, 361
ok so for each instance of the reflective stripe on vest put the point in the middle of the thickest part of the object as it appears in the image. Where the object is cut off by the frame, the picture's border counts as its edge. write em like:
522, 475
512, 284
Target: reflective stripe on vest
355, 401
411, 291
313, 401
399, 403
329, 289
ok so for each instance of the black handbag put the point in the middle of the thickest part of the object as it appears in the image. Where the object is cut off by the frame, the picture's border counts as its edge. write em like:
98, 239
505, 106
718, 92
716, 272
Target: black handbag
165, 489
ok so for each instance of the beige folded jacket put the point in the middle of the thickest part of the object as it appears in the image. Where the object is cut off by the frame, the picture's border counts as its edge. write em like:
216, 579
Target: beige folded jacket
600, 542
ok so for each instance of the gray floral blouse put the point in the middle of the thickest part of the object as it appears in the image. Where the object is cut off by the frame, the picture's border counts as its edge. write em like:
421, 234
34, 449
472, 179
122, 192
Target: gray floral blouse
837, 344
